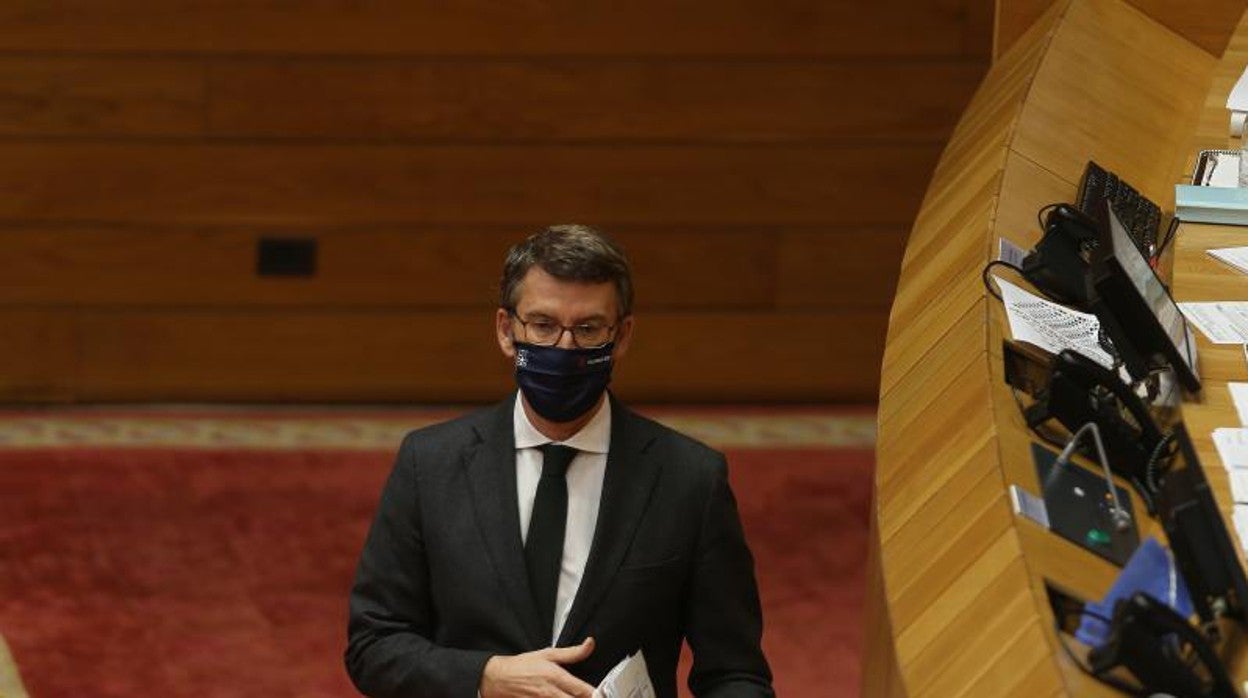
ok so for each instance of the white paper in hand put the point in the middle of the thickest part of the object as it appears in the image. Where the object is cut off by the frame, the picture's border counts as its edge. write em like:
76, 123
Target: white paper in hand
629, 679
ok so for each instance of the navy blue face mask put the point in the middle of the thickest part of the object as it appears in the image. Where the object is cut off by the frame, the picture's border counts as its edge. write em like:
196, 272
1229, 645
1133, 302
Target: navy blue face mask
562, 384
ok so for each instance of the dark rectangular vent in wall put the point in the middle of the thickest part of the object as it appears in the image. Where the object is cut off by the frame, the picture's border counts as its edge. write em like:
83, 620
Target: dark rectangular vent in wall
286, 257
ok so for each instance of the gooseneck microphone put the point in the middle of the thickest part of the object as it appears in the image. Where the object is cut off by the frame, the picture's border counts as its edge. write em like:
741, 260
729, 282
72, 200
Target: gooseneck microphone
1121, 518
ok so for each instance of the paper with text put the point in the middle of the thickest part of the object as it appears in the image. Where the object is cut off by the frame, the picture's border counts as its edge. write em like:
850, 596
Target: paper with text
1223, 322
1235, 256
1232, 445
1051, 326
1239, 395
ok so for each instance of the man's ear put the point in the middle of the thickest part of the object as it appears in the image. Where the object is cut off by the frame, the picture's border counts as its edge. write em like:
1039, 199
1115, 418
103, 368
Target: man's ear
623, 337
502, 327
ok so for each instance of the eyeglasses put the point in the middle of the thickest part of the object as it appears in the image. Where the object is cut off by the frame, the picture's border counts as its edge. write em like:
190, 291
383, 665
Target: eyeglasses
547, 333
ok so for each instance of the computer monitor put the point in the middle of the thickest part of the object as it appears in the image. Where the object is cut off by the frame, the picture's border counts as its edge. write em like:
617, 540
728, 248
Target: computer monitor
1202, 548
1136, 310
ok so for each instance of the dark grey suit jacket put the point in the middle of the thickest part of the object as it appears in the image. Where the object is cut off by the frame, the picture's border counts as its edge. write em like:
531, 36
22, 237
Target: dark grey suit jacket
441, 583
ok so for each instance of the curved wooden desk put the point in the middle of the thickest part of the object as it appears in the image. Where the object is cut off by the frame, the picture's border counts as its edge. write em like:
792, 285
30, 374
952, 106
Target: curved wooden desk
957, 604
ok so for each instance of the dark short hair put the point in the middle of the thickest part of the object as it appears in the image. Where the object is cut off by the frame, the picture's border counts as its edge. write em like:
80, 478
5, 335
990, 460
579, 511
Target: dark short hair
569, 253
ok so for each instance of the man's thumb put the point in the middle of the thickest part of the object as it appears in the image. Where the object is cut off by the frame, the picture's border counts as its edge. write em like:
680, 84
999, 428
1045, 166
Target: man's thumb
571, 655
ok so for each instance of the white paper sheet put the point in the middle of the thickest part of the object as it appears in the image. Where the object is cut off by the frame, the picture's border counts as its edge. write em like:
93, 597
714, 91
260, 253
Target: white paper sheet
1239, 395
1223, 322
1239, 517
629, 679
1232, 444
1235, 256
1051, 326
1238, 99
1239, 485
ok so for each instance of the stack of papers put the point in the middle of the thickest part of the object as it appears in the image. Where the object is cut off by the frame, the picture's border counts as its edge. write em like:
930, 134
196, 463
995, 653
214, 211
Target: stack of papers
1223, 322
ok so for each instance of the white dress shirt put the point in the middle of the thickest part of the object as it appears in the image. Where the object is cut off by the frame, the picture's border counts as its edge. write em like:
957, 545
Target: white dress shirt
585, 475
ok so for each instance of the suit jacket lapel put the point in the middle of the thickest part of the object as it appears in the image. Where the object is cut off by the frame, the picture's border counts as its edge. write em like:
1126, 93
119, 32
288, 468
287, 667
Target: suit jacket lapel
629, 480
492, 474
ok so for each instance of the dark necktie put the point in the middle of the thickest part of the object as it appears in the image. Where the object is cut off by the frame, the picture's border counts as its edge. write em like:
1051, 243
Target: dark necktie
543, 547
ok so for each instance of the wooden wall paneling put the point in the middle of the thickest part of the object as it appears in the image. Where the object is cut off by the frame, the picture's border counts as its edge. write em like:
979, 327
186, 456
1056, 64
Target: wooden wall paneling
479, 27
934, 373
780, 355
940, 632
940, 290
393, 355
1023, 667
1012, 19
880, 676
914, 460
1026, 188
572, 99
1208, 24
1101, 95
42, 96
457, 266
1213, 126
37, 354
194, 183
838, 267
945, 524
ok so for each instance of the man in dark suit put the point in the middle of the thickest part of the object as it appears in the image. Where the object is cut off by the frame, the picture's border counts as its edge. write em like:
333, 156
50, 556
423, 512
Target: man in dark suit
526, 549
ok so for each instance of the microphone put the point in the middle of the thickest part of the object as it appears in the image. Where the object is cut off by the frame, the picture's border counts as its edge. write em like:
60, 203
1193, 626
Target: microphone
1119, 515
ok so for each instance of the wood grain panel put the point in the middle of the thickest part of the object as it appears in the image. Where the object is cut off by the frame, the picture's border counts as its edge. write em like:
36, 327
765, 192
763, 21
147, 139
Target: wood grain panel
988, 581
416, 266
1207, 23
1012, 19
181, 183
619, 99
856, 268
395, 356
1098, 96
481, 27
101, 96
37, 355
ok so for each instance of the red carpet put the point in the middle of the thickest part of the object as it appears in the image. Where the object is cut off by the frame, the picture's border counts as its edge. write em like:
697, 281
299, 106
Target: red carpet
129, 572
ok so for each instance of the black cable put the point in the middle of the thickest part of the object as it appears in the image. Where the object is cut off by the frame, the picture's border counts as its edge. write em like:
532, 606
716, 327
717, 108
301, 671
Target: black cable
1041, 218
1165, 242
1150, 468
992, 291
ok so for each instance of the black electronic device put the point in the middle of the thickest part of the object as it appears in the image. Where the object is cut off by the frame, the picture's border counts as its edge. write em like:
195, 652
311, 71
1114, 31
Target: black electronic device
1202, 547
1162, 650
1058, 264
1136, 311
1079, 391
1141, 216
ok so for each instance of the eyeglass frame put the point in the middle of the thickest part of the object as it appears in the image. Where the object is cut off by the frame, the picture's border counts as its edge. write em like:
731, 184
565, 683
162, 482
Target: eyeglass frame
566, 328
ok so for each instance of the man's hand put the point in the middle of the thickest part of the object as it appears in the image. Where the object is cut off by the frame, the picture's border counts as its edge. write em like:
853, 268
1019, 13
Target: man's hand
537, 673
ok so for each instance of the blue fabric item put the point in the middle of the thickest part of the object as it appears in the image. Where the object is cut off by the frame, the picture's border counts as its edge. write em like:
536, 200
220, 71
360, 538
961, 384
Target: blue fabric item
1148, 571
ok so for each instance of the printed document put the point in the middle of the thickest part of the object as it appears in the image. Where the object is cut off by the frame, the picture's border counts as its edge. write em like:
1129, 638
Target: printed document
1235, 256
1223, 322
629, 679
1239, 394
1232, 444
1051, 326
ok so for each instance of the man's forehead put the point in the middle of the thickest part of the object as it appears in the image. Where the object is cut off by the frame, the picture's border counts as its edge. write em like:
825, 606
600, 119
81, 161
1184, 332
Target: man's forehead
540, 292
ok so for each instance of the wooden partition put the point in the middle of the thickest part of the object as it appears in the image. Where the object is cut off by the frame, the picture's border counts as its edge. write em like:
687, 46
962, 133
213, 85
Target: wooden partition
957, 604
761, 162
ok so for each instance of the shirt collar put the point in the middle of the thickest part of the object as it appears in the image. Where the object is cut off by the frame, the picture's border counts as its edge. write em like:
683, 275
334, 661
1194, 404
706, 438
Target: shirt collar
594, 437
